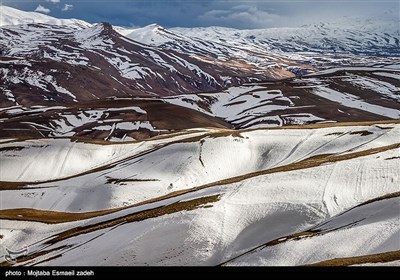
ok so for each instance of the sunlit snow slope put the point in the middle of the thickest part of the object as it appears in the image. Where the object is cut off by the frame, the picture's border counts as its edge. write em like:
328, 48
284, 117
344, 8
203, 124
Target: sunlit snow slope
290, 196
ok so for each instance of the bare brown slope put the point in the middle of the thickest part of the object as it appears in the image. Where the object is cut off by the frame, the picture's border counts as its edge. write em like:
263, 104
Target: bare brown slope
367, 259
164, 117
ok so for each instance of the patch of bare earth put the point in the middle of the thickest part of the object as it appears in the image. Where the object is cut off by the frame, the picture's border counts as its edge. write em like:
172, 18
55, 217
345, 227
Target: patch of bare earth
374, 258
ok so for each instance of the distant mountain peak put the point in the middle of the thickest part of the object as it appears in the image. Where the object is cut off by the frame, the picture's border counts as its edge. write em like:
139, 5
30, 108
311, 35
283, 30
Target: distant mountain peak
106, 27
155, 25
103, 30
12, 16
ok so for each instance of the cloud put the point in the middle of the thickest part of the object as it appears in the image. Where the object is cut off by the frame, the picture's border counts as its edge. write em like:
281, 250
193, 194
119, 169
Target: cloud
53, 1
241, 16
41, 9
67, 7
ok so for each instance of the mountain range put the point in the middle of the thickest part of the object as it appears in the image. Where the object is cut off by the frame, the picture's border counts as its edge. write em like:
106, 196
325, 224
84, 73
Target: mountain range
75, 70
198, 146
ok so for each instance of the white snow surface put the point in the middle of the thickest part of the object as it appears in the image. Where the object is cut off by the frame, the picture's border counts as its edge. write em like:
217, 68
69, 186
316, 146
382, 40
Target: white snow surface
379, 223
250, 211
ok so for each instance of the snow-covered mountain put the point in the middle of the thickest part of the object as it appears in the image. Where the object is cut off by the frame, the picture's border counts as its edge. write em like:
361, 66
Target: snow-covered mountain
45, 58
11, 16
346, 36
43, 54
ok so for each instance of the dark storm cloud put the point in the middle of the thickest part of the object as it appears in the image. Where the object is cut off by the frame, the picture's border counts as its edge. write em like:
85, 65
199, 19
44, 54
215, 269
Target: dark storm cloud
229, 13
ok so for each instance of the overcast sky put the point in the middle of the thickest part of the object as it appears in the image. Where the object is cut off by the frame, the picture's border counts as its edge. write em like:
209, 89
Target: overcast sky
227, 13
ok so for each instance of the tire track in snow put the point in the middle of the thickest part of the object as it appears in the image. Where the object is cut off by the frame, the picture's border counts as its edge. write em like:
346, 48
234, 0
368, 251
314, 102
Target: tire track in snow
346, 151
293, 150
363, 144
66, 157
129, 155
327, 194
26, 168
323, 145
359, 181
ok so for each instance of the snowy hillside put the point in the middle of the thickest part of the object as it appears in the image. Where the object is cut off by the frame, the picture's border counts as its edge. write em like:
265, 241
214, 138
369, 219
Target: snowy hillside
337, 95
282, 103
272, 197
11, 16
